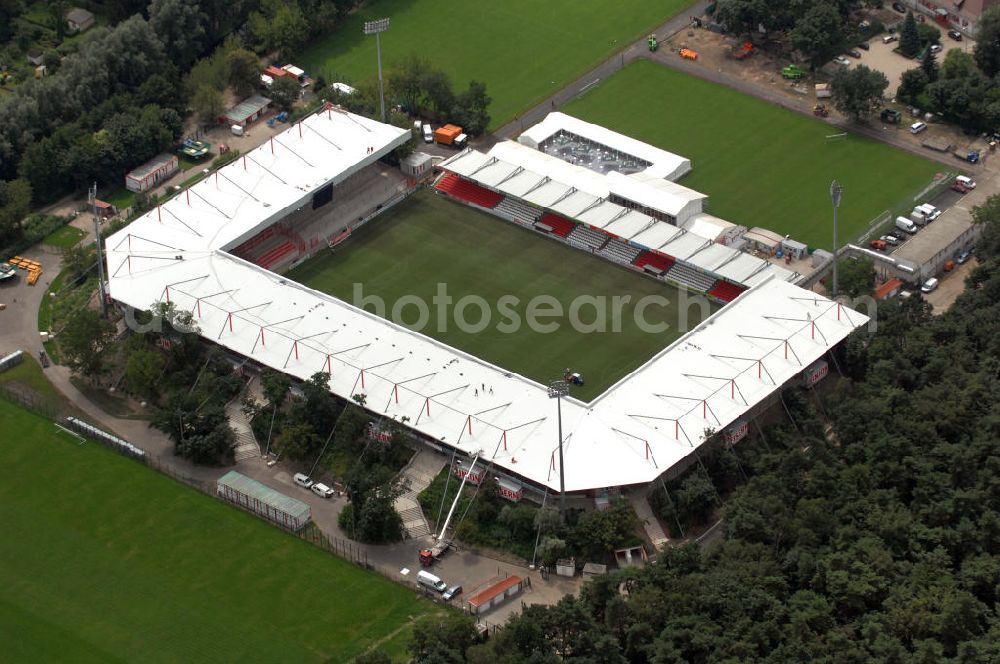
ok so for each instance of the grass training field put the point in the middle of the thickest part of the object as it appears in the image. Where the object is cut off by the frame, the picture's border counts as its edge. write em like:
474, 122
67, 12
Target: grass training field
524, 50
760, 164
105, 560
429, 240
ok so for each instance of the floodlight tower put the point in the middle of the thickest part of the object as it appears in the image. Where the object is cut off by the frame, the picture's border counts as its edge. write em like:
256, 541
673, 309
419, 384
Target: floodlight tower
377, 28
557, 390
835, 192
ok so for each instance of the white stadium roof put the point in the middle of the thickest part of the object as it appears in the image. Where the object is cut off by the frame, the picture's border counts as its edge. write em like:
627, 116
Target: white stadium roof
665, 165
647, 422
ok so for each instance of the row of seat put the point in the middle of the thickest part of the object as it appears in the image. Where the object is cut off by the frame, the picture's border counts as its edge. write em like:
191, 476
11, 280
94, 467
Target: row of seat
725, 291
518, 211
273, 256
683, 273
654, 262
254, 242
619, 252
470, 192
585, 237
553, 223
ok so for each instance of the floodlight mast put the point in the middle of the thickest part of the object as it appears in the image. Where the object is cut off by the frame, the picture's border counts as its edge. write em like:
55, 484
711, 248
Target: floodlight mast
835, 193
377, 28
557, 390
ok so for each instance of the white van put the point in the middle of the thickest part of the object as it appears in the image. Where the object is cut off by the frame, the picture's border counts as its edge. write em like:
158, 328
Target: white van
322, 490
917, 127
929, 211
302, 480
430, 581
904, 224
930, 285
237, 130
428, 134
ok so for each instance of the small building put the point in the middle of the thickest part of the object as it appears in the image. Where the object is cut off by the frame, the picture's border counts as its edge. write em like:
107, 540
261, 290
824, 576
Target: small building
35, 56
262, 500
79, 19
495, 594
246, 112
152, 173
417, 165
763, 240
297, 73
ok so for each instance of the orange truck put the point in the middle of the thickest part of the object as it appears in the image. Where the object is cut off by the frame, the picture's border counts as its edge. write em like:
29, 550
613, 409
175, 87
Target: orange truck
450, 134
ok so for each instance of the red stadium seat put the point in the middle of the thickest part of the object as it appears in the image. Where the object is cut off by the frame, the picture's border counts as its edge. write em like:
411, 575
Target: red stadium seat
725, 291
657, 262
470, 192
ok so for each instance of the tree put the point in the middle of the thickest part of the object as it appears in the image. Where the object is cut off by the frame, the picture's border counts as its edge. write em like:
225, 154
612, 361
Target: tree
285, 92
911, 85
597, 533
15, 201
929, 65
275, 386
470, 109
405, 81
143, 371
696, 498
856, 277
438, 95
207, 104
78, 260
909, 37
928, 34
442, 638
298, 442
857, 92
742, 16
83, 339
987, 50
180, 25
244, 71
818, 33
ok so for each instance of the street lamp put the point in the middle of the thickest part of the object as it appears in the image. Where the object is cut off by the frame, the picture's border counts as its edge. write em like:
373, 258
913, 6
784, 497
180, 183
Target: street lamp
376, 28
557, 390
835, 192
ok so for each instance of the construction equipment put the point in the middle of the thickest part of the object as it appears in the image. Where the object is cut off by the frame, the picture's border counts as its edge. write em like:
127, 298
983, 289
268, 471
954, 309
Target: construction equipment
971, 156
688, 54
891, 116
653, 43
436, 552
742, 52
793, 72
820, 110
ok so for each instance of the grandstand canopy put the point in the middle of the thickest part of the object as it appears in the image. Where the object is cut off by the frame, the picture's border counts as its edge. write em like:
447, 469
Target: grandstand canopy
647, 422
663, 164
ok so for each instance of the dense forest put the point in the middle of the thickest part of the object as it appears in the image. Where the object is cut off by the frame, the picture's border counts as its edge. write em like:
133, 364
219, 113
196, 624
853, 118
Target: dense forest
869, 532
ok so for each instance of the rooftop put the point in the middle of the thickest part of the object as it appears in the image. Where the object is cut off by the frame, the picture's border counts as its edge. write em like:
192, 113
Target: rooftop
265, 494
247, 108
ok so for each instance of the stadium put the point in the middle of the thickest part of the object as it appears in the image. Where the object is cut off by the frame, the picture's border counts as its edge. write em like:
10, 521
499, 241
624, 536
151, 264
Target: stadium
220, 248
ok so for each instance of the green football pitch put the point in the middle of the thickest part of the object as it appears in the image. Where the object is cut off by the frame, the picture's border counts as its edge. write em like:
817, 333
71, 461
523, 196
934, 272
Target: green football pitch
429, 240
524, 50
760, 164
106, 560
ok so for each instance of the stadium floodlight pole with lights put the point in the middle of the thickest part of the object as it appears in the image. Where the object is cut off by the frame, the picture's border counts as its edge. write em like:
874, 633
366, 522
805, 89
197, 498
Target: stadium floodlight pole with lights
377, 28
557, 390
835, 192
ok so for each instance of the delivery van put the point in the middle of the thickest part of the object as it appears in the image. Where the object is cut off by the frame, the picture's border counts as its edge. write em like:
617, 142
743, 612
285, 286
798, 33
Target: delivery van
428, 134
428, 580
906, 225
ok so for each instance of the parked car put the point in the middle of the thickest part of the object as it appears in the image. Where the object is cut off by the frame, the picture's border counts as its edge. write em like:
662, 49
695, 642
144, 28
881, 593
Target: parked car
842, 60
854, 53
322, 490
890, 239
888, 39
454, 591
793, 72
955, 34
898, 6
899, 235
864, 46
302, 480
918, 127
963, 257
929, 285
966, 181
877, 245
935, 48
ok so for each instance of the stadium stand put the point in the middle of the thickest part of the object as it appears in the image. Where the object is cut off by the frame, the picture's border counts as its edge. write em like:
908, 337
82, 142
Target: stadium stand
553, 223
587, 238
725, 291
517, 211
654, 262
620, 252
245, 249
683, 273
469, 192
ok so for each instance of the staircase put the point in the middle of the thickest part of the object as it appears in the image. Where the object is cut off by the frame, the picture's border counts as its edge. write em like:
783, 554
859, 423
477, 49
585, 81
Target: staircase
419, 472
246, 444
654, 531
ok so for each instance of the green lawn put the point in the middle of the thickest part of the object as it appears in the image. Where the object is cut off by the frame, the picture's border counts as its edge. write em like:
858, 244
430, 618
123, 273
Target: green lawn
64, 238
121, 198
105, 560
760, 164
429, 240
524, 50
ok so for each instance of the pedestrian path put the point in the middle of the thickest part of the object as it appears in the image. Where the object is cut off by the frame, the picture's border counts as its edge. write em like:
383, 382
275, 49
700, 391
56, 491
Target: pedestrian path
648, 519
246, 444
419, 473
